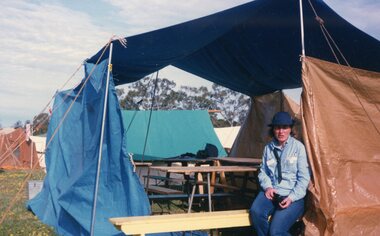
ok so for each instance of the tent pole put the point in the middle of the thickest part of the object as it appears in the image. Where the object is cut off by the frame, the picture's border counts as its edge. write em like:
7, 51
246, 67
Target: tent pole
31, 155
150, 117
302, 30
101, 142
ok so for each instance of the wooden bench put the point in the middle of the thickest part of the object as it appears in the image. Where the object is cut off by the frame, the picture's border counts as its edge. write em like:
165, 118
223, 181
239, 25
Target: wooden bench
186, 196
141, 225
162, 190
217, 185
164, 178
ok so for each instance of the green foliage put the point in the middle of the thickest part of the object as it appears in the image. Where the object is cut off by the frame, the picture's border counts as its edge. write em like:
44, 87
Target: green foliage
162, 93
233, 105
40, 124
19, 221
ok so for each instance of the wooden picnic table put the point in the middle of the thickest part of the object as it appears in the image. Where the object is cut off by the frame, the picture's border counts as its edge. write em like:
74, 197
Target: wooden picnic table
244, 161
203, 169
186, 161
239, 160
198, 161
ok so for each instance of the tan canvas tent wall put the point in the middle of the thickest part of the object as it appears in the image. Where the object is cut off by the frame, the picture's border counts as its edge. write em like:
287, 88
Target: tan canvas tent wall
341, 119
341, 123
16, 152
253, 135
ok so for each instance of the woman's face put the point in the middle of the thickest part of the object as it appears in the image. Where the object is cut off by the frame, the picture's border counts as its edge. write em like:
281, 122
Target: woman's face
281, 133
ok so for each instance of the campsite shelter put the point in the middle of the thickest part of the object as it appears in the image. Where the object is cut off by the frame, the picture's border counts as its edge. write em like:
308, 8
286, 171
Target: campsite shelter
17, 151
255, 49
158, 135
40, 143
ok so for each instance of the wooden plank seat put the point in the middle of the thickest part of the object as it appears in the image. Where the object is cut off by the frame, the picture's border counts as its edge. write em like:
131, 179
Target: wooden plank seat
229, 187
186, 196
141, 225
162, 190
218, 185
164, 178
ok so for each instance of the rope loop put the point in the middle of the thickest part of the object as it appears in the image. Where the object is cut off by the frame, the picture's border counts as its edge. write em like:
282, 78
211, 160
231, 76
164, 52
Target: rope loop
131, 159
122, 41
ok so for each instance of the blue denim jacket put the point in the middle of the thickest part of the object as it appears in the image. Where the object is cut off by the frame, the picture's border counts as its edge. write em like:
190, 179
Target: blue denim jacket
294, 166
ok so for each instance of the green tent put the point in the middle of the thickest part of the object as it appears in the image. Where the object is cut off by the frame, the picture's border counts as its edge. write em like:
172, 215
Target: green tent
170, 134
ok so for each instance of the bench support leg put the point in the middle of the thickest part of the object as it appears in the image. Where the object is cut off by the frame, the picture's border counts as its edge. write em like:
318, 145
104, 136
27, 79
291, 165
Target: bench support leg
209, 192
191, 198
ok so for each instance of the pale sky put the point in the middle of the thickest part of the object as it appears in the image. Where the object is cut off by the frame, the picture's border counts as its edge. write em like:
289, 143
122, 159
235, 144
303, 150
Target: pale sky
43, 42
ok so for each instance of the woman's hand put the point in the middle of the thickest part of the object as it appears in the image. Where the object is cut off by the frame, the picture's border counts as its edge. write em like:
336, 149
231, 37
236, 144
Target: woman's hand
285, 203
269, 193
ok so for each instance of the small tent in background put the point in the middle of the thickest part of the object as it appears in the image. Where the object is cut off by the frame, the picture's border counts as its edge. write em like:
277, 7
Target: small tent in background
168, 134
227, 136
253, 49
40, 143
17, 150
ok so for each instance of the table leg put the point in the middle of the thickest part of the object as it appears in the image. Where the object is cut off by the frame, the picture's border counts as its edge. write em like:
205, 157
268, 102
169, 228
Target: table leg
147, 180
191, 198
213, 181
199, 179
167, 177
222, 175
209, 193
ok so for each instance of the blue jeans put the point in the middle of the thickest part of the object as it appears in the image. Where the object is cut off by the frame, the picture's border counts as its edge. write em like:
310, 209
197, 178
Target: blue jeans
282, 219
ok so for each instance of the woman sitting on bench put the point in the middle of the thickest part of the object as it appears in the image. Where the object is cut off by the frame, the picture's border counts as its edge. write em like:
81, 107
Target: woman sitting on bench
284, 177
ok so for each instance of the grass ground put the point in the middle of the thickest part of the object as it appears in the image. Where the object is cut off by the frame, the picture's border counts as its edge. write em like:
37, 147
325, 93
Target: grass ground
19, 221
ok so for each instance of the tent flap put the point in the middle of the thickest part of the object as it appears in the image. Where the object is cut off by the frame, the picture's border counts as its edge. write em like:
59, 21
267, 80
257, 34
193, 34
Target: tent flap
66, 199
342, 118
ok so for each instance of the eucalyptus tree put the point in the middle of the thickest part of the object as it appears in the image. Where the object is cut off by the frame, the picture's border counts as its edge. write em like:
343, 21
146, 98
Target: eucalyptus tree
162, 94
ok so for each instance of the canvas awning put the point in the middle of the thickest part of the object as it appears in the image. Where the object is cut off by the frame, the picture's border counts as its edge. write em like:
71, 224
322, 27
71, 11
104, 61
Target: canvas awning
253, 48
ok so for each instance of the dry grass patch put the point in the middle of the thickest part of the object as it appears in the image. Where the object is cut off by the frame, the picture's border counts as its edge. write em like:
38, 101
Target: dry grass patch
19, 221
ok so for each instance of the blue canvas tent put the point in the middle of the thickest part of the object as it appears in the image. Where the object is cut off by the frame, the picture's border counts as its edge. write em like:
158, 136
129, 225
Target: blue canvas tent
170, 134
253, 48
66, 199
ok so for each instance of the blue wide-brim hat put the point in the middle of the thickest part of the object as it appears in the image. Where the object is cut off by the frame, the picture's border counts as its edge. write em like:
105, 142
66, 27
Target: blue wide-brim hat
282, 118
